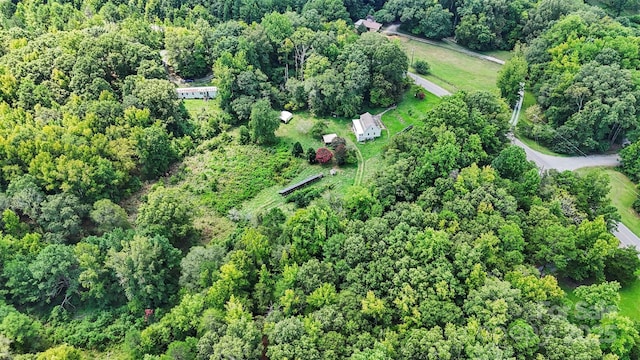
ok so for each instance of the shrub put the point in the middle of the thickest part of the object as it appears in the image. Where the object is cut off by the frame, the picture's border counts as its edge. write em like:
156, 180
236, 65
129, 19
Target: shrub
323, 155
422, 67
337, 142
303, 197
297, 150
319, 128
311, 155
341, 154
636, 205
245, 136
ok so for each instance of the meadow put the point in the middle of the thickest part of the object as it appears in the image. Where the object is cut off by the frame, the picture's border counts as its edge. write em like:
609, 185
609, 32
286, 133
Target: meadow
451, 69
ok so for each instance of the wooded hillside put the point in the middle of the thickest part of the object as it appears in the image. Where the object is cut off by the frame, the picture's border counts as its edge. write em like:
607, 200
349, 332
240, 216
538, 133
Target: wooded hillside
122, 235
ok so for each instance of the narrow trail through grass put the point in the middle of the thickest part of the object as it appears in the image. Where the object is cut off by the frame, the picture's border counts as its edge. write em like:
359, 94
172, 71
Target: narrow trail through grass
360, 172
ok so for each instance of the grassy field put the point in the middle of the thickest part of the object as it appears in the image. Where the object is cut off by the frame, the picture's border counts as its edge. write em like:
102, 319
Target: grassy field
229, 177
629, 304
622, 194
451, 69
196, 106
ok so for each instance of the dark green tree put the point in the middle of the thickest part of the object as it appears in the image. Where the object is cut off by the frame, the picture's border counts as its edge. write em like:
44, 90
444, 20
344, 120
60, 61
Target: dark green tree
263, 122
55, 273
297, 150
167, 213
622, 266
510, 76
148, 269
422, 67
155, 151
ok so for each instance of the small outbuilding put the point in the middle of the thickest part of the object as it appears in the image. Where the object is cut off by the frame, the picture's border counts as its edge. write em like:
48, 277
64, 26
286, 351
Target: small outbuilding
369, 22
328, 138
366, 127
288, 190
285, 116
201, 92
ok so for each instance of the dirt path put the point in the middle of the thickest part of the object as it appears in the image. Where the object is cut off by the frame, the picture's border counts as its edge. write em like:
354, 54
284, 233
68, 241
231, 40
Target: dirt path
360, 171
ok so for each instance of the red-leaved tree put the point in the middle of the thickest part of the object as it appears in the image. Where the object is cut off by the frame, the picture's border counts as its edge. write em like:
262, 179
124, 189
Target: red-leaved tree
323, 155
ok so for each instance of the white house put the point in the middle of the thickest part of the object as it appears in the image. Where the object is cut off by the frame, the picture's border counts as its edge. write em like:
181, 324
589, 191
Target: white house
285, 116
202, 92
366, 128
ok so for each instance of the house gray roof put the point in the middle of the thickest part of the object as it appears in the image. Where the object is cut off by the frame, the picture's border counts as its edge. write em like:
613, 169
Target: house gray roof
366, 120
369, 23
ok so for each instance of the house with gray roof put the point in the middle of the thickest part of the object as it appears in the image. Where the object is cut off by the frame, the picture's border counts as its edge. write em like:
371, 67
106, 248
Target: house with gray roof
366, 128
369, 22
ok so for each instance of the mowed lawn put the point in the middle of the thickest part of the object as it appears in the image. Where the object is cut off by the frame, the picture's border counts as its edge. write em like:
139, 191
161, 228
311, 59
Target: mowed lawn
622, 194
196, 107
451, 69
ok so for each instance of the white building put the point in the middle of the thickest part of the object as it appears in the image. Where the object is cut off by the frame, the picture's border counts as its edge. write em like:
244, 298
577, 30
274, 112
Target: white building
328, 138
285, 116
366, 128
203, 92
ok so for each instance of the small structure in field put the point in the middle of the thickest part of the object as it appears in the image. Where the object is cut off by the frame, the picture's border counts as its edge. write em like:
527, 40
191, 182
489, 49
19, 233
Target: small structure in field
328, 138
369, 22
285, 116
366, 128
201, 92
288, 190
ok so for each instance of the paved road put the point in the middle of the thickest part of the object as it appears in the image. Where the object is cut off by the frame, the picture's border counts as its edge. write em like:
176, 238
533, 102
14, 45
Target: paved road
544, 162
428, 85
626, 237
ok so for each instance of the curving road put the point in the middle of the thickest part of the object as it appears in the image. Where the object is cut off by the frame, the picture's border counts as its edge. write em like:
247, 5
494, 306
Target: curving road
546, 162
428, 85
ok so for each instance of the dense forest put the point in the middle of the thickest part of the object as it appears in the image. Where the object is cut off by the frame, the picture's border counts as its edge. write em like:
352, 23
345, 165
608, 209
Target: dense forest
453, 249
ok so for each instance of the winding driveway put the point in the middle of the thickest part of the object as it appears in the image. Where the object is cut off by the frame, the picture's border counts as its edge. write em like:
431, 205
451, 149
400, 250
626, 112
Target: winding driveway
428, 85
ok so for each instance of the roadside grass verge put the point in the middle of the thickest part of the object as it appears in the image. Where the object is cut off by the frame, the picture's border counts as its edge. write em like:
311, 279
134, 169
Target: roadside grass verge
530, 100
622, 194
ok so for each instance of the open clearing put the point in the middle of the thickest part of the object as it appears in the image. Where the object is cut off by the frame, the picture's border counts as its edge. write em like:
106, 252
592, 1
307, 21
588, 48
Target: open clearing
409, 111
451, 69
